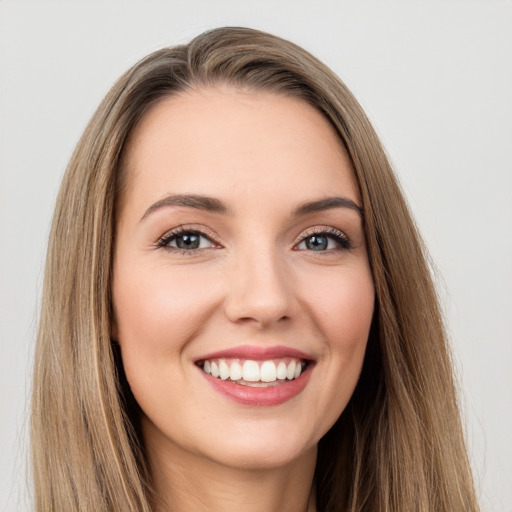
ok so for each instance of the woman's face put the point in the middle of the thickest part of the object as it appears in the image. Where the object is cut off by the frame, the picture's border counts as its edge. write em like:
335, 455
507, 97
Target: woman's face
242, 291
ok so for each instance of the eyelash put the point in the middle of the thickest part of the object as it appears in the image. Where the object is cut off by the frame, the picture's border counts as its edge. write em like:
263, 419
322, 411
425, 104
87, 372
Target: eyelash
339, 237
164, 242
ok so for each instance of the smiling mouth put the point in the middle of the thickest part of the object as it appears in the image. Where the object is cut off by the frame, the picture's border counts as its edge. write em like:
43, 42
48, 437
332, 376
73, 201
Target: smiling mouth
253, 373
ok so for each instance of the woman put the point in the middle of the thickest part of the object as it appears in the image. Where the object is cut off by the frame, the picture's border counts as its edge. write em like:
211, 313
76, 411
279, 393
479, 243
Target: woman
237, 309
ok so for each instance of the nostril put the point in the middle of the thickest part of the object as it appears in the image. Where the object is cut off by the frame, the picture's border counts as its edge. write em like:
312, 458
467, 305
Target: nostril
262, 320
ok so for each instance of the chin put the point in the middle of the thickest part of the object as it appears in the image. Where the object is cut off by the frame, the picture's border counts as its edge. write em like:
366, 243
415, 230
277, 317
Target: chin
263, 450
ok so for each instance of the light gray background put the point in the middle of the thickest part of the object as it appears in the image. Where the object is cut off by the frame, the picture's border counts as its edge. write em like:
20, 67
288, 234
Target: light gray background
435, 78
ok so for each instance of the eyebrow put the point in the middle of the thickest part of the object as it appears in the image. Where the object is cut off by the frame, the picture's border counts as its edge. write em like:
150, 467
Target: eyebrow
211, 204
327, 204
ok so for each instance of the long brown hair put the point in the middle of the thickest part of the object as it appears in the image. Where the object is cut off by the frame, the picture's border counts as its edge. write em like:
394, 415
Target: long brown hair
398, 446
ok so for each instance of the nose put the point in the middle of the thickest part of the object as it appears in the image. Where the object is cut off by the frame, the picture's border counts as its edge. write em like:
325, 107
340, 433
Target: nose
260, 290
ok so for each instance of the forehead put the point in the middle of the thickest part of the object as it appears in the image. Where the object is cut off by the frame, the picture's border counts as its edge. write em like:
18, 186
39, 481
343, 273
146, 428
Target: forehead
223, 141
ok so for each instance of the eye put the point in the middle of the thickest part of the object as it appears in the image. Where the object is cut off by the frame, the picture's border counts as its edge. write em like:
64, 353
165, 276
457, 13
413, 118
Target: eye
324, 241
186, 240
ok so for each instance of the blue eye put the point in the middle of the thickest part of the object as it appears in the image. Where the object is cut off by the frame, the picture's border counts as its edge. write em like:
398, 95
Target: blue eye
324, 241
186, 241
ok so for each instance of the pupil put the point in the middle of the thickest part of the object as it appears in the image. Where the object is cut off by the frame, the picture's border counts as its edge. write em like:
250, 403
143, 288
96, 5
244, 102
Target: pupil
317, 243
187, 241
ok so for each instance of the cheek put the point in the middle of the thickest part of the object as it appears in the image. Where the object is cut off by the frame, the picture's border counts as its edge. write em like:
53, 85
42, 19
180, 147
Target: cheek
157, 312
349, 324
343, 305
148, 304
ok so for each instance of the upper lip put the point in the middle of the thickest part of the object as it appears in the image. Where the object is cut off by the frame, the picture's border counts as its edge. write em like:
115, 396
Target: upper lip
257, 353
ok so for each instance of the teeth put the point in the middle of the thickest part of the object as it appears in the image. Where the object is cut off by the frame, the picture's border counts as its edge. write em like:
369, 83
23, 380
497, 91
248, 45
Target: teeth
254, 372
290, 372
223, 370
235, 372
268, 371
281, 370
251, 371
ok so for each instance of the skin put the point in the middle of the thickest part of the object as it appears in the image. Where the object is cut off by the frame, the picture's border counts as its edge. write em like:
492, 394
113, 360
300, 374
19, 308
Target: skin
254, 281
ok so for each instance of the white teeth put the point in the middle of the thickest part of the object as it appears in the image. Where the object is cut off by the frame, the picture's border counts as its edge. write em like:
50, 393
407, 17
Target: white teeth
281, 371
251, 371
223, 370
254, 372
268, 371
290, 372
235, 372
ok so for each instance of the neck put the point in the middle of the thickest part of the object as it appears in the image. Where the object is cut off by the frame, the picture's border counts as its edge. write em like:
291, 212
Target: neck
183, 481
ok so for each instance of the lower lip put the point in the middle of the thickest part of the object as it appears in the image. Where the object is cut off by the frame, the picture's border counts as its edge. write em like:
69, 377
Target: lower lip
256, 396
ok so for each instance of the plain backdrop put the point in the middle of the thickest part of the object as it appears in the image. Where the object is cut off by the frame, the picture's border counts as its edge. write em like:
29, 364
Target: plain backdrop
435, 78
